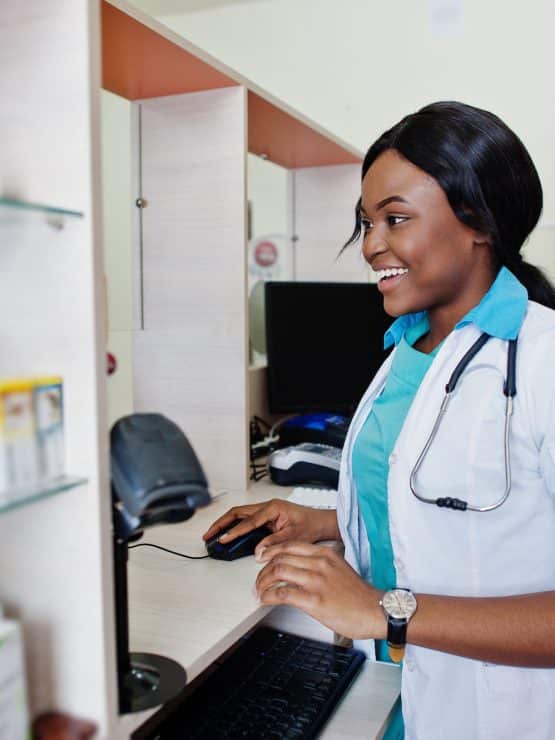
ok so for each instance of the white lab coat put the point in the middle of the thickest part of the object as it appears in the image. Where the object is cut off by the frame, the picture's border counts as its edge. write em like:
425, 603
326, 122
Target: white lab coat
510, 550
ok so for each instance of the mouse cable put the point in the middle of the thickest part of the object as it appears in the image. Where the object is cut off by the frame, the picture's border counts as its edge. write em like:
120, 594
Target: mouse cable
174, 552
165, 549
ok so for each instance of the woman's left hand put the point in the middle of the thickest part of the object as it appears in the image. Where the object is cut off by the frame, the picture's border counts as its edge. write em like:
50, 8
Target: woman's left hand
319, 581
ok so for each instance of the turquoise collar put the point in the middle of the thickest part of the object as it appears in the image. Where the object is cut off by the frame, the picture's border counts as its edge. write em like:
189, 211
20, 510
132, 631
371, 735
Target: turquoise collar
500, 313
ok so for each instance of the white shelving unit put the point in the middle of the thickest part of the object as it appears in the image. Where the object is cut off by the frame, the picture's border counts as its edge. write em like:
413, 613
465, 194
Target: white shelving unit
15, 499
55, 551
191, 356
19, 212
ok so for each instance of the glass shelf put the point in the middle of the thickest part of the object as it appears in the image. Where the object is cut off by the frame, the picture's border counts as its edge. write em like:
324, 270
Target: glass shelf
19, 211
21, 497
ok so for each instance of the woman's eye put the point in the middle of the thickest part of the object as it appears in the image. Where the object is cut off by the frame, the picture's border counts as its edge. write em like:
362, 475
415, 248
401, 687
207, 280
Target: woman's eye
366, 224
396, 220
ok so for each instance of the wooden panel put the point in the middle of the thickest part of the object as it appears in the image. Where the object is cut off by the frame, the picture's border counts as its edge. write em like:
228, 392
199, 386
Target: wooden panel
287, 141
324, 206
201, 387
140, 63
144, 59
191, 360
41, 87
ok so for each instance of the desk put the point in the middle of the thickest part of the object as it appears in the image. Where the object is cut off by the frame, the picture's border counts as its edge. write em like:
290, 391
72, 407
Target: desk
193, 610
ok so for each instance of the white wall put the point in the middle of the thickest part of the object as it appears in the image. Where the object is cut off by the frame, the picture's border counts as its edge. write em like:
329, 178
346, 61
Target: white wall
357, 66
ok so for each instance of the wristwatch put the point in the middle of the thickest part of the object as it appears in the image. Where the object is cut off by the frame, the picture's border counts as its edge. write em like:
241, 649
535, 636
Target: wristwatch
399, 605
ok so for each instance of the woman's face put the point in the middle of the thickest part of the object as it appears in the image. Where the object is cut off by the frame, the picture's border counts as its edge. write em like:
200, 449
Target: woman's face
436, 263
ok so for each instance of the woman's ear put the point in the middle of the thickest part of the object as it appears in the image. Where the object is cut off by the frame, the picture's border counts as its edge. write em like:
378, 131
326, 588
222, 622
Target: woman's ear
480, 238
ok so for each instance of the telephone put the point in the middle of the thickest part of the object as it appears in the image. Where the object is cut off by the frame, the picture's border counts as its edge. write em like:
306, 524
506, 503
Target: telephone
308, 462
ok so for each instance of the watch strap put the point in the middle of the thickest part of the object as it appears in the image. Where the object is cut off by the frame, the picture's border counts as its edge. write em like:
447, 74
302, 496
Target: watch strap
396, 653
396, 631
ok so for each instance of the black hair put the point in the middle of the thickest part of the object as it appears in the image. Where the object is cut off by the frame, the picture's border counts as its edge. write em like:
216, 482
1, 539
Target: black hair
486, 173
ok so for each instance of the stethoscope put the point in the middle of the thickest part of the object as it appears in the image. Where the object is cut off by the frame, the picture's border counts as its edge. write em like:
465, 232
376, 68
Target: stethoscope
509, 389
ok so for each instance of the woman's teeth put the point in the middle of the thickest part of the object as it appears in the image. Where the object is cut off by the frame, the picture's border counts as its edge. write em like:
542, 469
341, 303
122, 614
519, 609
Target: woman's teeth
390, 272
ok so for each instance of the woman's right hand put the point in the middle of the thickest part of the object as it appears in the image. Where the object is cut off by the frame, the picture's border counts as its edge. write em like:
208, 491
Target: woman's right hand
288, 522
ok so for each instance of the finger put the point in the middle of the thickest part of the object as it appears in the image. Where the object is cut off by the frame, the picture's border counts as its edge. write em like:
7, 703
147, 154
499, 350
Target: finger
218, 525
262, 515
241, 526
294, 571
237, 512
287, 594
282, 535
293, 547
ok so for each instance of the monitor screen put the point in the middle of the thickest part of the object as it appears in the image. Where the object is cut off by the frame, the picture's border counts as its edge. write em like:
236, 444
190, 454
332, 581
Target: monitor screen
324, 344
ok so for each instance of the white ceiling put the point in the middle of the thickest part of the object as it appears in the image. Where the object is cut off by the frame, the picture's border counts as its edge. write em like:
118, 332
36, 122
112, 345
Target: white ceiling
159, 8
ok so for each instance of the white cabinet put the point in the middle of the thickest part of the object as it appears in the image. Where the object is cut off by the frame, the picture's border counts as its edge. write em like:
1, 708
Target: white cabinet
191, 354
55, 573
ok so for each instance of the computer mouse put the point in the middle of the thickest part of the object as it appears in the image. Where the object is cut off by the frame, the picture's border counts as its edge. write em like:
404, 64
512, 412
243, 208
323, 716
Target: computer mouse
238, 548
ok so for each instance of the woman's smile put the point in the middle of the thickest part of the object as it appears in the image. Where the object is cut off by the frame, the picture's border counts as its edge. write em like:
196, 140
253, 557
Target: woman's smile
389, 278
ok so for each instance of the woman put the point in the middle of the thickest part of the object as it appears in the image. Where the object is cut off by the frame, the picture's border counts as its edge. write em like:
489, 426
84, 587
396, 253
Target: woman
449, 196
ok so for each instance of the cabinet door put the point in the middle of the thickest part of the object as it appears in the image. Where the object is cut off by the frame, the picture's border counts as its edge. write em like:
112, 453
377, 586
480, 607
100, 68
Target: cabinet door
191, 352
323, 207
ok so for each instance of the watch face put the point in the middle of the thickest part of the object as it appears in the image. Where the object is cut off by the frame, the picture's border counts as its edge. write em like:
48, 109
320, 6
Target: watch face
399, 603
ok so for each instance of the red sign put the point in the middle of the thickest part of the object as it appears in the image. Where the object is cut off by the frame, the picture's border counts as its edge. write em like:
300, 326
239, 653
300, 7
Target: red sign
265, 254
111, 363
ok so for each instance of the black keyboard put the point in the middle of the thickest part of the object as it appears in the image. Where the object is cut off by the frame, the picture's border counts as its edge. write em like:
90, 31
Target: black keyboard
273, 685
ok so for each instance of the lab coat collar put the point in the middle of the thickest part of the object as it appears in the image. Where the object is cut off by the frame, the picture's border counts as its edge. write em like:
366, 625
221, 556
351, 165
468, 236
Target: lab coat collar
500, 313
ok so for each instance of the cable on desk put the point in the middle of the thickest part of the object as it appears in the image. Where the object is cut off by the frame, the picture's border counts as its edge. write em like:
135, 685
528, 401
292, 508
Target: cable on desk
258, 471
174, 552
260, 443
165, 549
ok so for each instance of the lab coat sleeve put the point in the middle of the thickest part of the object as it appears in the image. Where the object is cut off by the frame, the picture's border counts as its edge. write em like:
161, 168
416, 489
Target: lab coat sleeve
547, 464
540, 401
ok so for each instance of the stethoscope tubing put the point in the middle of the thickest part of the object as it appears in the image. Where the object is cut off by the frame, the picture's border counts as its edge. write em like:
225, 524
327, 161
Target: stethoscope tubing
509, 390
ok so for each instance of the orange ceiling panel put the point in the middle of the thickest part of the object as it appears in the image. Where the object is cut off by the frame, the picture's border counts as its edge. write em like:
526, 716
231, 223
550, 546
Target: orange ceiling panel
289, 142
139, 63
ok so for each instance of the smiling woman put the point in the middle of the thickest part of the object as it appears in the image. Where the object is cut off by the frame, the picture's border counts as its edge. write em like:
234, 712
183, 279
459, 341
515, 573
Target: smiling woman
455, 190
449, 196
462, 591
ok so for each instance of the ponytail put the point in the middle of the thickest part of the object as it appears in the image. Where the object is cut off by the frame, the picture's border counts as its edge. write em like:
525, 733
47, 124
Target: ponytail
539, 287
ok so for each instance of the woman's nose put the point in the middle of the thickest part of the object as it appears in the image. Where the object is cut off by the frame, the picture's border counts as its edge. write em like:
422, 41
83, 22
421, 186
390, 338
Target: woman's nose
373, 244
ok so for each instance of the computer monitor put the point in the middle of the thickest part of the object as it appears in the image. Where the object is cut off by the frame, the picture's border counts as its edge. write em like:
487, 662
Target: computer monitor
324, 344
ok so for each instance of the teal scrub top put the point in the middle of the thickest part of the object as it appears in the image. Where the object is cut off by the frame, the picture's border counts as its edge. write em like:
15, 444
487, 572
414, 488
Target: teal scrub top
374, 445
371, 452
